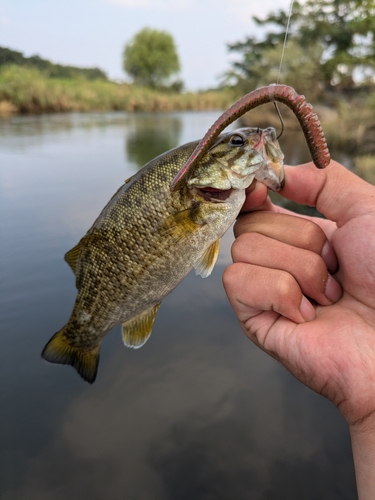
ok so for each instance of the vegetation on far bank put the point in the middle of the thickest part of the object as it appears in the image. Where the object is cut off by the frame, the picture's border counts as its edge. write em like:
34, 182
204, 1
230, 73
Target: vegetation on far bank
27, 90
329, 57
150, 59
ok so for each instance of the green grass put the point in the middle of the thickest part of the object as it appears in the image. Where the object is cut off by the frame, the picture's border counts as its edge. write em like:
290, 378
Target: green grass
26, 90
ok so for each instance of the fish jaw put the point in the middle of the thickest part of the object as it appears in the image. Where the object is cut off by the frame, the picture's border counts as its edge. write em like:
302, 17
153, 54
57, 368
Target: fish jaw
271, 172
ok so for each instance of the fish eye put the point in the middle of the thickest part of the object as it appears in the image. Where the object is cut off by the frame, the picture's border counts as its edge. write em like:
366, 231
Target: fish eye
237, 140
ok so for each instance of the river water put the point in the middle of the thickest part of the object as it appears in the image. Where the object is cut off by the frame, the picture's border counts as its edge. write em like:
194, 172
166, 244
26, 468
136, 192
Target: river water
198, 412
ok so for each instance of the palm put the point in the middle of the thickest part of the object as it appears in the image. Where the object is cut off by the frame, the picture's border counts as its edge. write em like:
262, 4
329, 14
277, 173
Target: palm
323, 353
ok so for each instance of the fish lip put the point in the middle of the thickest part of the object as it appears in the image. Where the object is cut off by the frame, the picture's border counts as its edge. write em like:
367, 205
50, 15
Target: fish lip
211, 194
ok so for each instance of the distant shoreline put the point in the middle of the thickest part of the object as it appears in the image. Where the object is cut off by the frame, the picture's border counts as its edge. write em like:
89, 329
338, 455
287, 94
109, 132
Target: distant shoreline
349, 125
26, 90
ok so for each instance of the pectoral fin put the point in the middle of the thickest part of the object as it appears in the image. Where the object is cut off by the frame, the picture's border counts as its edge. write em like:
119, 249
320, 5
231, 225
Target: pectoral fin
180, 224
137, 330
207, 260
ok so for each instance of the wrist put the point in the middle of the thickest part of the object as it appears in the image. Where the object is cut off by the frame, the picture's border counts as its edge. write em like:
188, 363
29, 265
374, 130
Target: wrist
363, 444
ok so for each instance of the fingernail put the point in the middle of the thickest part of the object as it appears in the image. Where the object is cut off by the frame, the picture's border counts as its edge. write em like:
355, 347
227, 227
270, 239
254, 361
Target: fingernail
306, 309
333, 290
329, 257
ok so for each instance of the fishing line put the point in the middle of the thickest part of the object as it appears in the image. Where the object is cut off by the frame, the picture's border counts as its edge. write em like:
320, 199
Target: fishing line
281, 63
285, 39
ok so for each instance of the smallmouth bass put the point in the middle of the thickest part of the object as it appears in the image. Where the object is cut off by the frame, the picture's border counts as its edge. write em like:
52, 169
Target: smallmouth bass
147, 239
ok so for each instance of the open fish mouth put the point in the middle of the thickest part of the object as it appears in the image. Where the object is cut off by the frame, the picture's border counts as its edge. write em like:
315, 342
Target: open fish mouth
213, 194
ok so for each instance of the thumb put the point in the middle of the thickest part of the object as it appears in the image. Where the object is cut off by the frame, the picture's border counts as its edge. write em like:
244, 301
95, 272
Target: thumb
337, 193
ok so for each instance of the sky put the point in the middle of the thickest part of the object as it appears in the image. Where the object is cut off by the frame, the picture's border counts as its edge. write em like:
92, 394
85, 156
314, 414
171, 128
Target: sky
90, 33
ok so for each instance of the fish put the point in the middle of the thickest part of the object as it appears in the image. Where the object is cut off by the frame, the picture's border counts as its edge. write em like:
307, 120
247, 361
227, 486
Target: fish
148, 238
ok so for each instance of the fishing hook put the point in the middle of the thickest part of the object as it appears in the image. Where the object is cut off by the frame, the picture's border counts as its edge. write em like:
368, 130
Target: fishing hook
281, 120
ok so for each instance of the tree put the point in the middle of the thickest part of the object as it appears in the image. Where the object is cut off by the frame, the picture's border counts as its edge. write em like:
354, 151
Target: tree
150, 58
301, 67
49, 69
343, 30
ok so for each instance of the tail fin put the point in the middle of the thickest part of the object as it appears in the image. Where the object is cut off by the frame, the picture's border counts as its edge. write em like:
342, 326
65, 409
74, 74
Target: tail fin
58, 350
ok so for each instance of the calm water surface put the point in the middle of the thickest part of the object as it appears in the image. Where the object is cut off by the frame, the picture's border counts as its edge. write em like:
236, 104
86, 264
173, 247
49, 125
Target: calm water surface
198, 412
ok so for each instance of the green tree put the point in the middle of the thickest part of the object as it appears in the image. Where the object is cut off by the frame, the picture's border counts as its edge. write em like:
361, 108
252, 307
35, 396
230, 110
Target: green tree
49, 69
301, 68
151, 58
338, 36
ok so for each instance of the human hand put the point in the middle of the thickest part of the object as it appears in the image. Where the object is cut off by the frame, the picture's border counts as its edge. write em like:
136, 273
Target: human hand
281, 258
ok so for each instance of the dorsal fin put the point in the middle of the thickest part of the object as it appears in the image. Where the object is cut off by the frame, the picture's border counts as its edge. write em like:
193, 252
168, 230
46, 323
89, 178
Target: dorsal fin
207, 260
137, 330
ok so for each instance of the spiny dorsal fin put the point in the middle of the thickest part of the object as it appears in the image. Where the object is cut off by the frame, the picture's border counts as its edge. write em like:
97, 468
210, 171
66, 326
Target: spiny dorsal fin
59, 350
137, 330
207, 260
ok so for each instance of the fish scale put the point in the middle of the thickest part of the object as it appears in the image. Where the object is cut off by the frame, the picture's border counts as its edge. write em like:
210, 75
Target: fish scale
147, 239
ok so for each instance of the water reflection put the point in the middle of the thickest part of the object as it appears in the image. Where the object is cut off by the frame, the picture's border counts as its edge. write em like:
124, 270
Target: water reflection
145, 141
198, 412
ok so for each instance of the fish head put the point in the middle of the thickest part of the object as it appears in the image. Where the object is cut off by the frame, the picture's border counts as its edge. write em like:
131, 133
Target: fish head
236, 159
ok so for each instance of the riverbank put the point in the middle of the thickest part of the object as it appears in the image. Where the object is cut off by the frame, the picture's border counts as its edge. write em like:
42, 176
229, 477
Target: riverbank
348, 125
26, 90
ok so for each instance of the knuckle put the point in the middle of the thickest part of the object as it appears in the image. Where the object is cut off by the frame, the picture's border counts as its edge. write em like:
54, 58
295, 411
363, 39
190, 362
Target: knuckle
286, 286
315, 270
312, 235
230, 277
240, 247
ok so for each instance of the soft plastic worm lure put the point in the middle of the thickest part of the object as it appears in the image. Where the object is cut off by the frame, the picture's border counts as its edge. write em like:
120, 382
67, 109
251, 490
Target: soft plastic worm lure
282, 93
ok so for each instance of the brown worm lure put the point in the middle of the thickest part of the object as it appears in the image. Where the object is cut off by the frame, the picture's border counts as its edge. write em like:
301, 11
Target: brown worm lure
281, 93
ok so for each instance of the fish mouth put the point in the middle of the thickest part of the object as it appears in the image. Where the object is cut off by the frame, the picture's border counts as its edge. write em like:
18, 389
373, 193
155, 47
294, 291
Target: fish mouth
213, 194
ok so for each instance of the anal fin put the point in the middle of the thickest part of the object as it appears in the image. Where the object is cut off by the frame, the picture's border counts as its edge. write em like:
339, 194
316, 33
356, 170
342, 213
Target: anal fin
137, 330
207, 260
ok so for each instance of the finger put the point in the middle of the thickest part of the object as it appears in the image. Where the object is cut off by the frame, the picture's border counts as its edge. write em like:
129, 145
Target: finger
256, 195
326, 225
252, 289
296, 231
307, 268
337, 193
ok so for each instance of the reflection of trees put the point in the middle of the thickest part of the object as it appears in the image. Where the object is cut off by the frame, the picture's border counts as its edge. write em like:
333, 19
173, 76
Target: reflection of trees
152, 136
